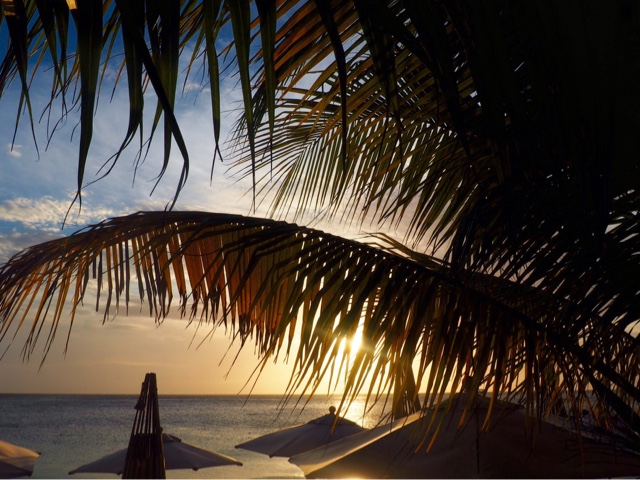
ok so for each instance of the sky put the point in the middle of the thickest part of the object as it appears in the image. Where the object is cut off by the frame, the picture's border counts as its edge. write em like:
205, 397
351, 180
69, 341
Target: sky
36, 190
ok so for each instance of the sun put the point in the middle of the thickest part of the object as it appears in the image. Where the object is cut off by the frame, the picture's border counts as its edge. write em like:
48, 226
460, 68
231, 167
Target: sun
356, 341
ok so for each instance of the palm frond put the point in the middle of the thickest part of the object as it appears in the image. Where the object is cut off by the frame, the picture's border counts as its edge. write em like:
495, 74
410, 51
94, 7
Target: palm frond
271, 283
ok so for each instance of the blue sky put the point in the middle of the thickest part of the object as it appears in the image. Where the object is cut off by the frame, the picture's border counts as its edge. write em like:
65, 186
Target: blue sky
35, 193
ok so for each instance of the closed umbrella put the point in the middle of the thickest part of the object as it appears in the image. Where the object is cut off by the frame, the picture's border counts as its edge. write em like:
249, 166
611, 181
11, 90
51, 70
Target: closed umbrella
145, 455
16, 461
511, 447
178, 455
150, 452
293, 440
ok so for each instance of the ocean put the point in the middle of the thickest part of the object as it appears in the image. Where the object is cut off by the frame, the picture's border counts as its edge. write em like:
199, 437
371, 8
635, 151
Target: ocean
71, 430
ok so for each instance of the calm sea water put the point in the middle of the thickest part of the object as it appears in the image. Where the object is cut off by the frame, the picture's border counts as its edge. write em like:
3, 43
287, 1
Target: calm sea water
71, 430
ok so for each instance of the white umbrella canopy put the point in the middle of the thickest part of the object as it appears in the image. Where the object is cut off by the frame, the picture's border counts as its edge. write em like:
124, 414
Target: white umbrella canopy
293, 440
511, 447
177, 454
16, 461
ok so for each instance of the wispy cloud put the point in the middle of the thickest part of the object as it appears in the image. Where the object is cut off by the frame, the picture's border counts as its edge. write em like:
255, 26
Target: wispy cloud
12, 241
46, 212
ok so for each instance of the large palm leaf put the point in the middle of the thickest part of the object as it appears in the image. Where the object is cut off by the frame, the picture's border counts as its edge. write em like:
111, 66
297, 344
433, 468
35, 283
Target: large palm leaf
272, 282
507, 191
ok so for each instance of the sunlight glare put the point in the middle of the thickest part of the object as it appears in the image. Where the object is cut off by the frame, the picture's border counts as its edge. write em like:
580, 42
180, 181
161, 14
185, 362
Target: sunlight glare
356, 341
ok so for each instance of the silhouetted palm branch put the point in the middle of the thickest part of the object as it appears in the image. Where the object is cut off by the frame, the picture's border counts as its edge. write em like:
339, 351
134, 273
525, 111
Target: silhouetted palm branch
271, 282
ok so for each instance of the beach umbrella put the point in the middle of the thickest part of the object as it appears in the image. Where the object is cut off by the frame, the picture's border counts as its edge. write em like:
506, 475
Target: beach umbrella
177, 454
293, 440
145, 455
16, 461
150, 452
511, 446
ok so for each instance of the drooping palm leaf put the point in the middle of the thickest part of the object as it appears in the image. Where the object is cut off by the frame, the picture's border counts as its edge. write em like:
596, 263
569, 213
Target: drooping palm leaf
17, 16
272, 282
88, 21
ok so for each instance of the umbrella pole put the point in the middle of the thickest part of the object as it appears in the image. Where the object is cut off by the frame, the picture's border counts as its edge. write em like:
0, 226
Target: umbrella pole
145, 455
